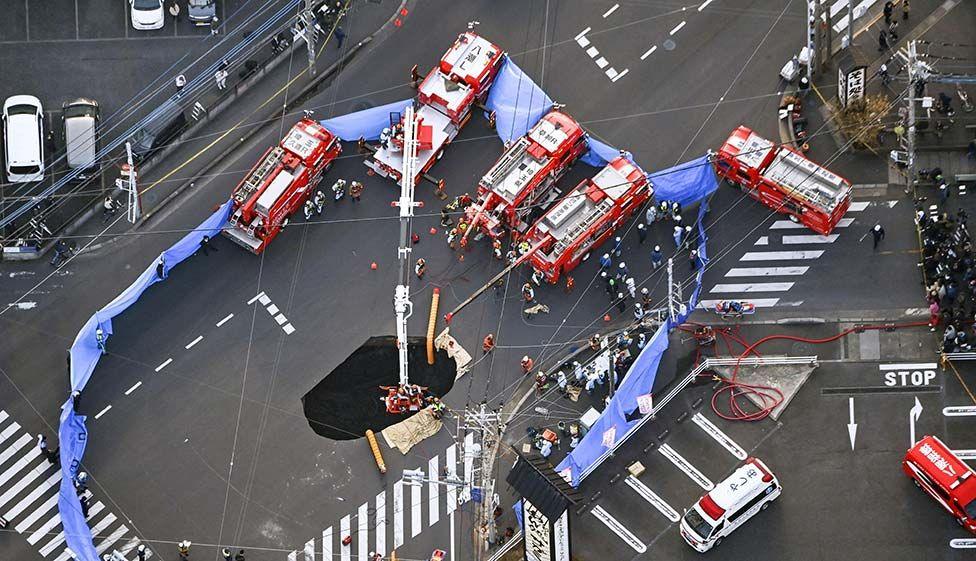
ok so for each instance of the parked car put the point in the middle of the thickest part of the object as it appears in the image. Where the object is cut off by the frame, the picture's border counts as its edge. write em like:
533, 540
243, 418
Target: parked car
80, 122
23, 138
201, 12
146, 14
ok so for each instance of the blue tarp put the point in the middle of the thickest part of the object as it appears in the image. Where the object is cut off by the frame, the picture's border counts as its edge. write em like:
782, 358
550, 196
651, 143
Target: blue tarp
368, 123
72, 434
685, 183
600, 153
517, 102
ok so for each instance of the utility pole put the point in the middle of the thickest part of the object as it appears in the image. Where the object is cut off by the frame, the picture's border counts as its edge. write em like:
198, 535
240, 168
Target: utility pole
311, 34
675, 304
481, 456
910, 135
133, 208
813, 21
850, 24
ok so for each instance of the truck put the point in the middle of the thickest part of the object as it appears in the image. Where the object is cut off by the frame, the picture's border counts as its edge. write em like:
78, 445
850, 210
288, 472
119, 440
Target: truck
280, 183
521, 182
783, 179
586, 216
445, 99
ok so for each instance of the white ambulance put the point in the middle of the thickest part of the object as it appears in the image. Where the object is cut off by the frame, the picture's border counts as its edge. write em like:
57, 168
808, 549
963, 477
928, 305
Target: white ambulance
726, 507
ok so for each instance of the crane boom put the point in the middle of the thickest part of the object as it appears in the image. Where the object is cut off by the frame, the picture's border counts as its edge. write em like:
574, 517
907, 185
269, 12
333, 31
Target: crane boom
401, 298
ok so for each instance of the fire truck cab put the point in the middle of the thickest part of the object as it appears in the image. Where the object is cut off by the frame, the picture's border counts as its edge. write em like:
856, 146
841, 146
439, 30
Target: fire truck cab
586, 216
784, 180
522, 178
940, 473
280, 183
444, 102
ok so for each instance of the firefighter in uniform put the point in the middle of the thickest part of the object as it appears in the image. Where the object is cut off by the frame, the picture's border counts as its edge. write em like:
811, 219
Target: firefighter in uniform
319, 201
526, 364
528, 294
339, 189
488, 344
309, 210
420, 268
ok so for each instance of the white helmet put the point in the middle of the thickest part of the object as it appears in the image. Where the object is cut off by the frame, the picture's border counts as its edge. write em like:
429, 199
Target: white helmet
657, 248
877, 227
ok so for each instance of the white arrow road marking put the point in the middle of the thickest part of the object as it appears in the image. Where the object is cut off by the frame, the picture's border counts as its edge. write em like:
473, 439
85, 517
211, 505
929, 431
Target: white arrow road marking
719, 436
852, 426
913, 415
684, 465
617, 528
650, 496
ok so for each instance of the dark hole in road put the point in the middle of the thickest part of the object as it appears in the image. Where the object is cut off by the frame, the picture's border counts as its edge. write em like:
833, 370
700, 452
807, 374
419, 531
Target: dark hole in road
347, 401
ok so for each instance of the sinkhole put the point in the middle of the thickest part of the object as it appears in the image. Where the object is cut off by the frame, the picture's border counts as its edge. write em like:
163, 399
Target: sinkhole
347, 401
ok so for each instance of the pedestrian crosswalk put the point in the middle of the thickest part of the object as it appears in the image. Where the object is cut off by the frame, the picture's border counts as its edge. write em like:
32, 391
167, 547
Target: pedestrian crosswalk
397, 510
29, 486
774, 267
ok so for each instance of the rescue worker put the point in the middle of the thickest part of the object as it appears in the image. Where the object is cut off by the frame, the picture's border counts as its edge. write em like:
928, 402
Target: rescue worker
420, 268
226, 554
664, 209
524, 247
385, 138
496, 246
631, 285
319, 202
638, 311
595, 342
339, 189
488, 344
562, 381
621, 302
622, 271
656, 257
184, 549
641, 233
578, 372
446, 221
641, 340
528, 294
108, 207
536, 278
651, 215
605, 261
693, 259
646, 297
878, 233
452, 237
675, 210
687, 237
206, 246
678, 233
309, 209
540, 381
100, 339
81, 483
570, 284
356, 190
141, 552
526, 363
618, 246
240, 555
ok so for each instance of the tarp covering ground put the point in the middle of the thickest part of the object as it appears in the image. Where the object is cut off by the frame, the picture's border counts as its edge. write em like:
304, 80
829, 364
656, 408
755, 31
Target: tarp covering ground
85, 353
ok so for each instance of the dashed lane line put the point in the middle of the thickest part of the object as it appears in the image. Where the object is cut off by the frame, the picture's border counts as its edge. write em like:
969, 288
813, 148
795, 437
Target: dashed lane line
133, 388
648, 52
704, 5
103, 411
621, 75
225, 320
164, 364
612, 9
194, 342
678, 27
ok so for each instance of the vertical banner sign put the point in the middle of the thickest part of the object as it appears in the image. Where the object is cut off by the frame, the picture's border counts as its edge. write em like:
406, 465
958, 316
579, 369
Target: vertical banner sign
855, 84
560, 538
538, 533
842, 87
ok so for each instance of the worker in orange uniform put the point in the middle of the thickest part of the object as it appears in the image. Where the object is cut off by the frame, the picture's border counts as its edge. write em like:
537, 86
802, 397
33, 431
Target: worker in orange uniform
527, 364
570, 284
356, 191
488, 344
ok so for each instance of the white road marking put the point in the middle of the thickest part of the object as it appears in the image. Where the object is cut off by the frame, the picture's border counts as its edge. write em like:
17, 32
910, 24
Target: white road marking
363, 534
416, 518
288, 329
677, 28
752, 287
582, 41
650, 496
433, 490
963, 543
344, 529
781, 255
281, 319
51, 481
133, 388
257, 297
194, 342
858, 206
14, 469
59, 539
617, 528
908, 366
965, 454
111, 539
757, 302
452, 533
582, 33
648, 52
719, 436
45, 528
612, 9
602, 62
398, 514
593, 52
164, 364
704, 5
468, 466
684, 465
225, 320
790, 225
380, 524
38, 512
103, 411
964, 411
815, 238
7, 433
621, 75
310, 550
611, 73
264, 300
451, 465
766, 272
3, 416
272, 309
97, 529
293, 556
327, 544
763, 240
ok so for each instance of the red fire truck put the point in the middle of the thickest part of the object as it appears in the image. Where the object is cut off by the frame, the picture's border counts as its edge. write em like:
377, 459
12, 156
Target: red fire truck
522, 178
444, 102
940, 473
784, 180
280, 183
586, 216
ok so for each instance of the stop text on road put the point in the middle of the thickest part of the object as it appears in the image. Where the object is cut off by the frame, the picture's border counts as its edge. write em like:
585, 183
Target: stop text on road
920, 374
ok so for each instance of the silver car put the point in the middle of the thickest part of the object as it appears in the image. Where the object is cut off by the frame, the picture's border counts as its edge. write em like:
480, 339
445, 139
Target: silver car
201, 12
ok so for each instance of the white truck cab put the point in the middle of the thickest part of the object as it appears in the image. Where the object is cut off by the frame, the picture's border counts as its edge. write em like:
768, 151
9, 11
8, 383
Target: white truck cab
726, 507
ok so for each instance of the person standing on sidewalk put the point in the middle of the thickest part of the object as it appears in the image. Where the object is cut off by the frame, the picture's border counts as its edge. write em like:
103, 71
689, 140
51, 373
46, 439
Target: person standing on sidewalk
878, 233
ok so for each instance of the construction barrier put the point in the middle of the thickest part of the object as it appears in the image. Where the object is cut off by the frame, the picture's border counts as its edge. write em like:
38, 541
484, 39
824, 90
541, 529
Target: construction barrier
432, 324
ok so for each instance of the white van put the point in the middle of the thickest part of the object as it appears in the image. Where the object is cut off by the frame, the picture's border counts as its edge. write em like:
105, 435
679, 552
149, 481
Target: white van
80, 121
726, 507
23, 138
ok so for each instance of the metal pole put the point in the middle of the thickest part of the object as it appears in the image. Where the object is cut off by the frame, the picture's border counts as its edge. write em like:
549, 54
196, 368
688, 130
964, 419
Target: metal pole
850, 23
671, 311
134, 211
812, 12
310, 36
910, 136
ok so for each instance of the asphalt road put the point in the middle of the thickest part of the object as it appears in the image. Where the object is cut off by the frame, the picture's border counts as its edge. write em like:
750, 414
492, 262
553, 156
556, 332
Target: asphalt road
213, 447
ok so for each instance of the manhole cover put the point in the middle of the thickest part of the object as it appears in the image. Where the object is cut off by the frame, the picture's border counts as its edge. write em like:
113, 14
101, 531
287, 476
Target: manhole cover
669, 45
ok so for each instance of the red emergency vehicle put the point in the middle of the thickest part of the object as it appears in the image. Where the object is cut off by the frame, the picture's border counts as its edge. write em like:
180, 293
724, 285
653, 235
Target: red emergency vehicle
444, 102
522, 179
784, 180
280, 183
934, 468
586, 216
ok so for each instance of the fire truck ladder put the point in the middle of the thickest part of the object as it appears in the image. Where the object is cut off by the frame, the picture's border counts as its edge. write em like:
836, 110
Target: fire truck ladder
260, 173
508, 161
570, 236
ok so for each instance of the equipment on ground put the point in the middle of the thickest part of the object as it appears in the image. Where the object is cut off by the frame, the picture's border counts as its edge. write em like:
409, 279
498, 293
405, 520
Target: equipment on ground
586, 217
520, 184
783, 179
734, 308
280, 183
444, 102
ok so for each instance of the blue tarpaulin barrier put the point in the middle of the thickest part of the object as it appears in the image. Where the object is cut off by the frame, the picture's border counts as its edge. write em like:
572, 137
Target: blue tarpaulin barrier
685, 183
517, 102
72, 434
368, 123
600, 153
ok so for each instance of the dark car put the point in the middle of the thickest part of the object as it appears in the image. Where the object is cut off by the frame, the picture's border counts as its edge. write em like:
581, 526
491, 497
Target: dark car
201, 12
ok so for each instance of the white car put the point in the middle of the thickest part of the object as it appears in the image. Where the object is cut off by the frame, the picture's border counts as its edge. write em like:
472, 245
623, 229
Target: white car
147, 14
23, 138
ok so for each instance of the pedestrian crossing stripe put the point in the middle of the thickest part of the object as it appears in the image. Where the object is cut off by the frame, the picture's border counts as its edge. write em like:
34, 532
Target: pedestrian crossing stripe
752, 287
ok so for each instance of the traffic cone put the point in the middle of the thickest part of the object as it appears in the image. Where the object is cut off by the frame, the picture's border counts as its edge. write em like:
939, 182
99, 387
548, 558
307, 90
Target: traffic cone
606, 317
433, 231
373, 265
